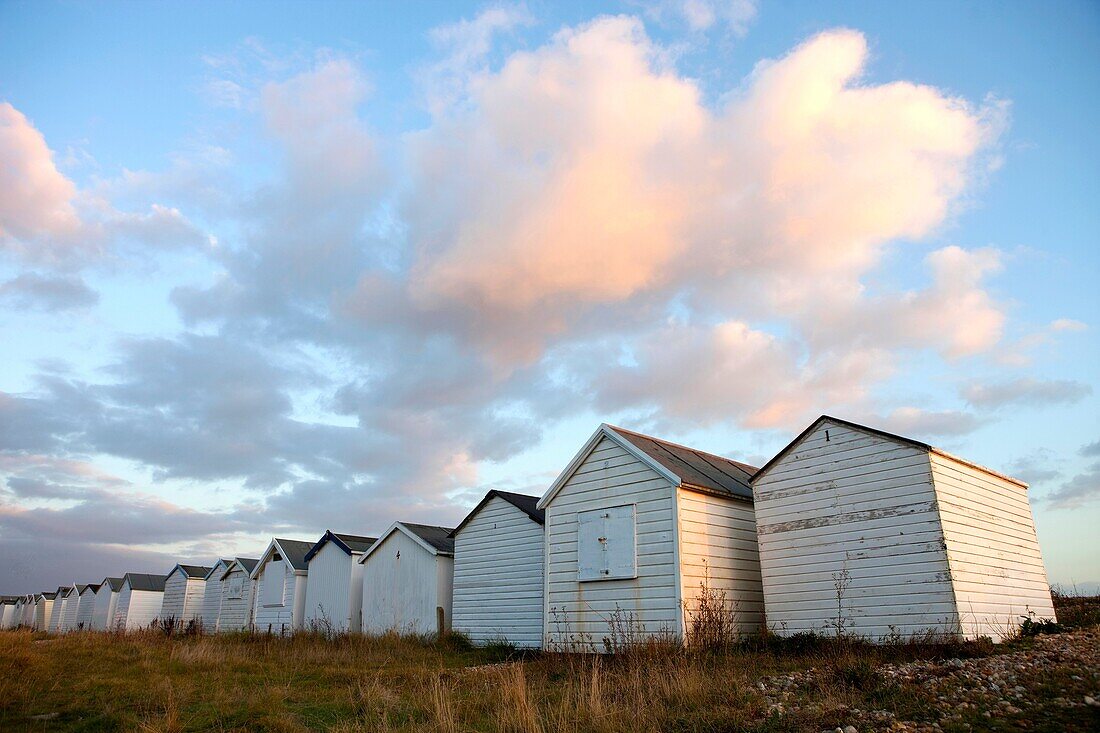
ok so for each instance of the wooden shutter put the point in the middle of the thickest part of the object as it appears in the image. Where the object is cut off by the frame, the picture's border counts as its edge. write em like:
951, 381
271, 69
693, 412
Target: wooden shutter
236, 586
274, 578
606, 544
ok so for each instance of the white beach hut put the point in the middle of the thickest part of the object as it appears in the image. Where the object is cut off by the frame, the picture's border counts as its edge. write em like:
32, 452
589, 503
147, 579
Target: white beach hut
106, 599
498, 571
184, 589
86, 609
72, 607
60, 599
280, 597
43, 605
8, 607
238, 595
212, 595
139, 601
636, 529
28, 610
869, 533
408, 575
334, 595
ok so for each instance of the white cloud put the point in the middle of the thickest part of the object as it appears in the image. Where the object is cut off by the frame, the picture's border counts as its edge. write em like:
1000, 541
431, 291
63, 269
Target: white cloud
732, 373
702, 15
464, 48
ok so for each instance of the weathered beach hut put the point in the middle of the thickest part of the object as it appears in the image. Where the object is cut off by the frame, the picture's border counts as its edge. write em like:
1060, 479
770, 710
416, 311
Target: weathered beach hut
498, 571
72, 607
238, 595
26, 611
8, 608
636, 529
334, 595
280, 597
869, 533
17, 613
212, 594
106, 599
408, 576
60, 599
86, 609
184, 588
139, 601
43, 605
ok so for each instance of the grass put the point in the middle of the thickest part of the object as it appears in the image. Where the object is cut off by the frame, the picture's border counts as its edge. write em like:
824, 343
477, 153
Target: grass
155, 682
1076, 611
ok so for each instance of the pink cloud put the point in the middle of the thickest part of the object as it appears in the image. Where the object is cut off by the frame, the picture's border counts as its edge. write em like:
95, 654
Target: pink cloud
46, 219
603, 180
37, 213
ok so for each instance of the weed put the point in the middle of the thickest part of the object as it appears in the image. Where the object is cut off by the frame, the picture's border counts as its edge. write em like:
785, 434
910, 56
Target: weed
1035, 627
712, 619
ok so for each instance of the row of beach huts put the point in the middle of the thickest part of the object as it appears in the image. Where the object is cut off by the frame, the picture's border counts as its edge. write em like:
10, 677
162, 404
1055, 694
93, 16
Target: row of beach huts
848, 529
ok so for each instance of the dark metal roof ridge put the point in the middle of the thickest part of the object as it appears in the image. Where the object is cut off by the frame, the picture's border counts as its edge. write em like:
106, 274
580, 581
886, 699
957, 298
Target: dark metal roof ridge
517, 500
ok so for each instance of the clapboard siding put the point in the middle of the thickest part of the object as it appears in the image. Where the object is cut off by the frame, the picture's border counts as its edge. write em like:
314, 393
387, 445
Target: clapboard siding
57, 612
402, 593
287, 616
105, 602
860, 507
718, 549
86, 611
42, 608
235, 613
212, 602
212, 596
182, 598
334, 594
498, 576
137, 609
579, 613
72, 610
992, 549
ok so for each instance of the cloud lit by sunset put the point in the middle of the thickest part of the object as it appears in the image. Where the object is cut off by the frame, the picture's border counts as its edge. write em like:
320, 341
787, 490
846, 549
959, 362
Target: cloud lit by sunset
275, 274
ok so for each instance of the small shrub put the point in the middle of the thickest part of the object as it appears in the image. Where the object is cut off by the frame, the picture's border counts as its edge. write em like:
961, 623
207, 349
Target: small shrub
501, 648
624, 631
1034, 627
857, 669
713, 620
804, 642
455, 641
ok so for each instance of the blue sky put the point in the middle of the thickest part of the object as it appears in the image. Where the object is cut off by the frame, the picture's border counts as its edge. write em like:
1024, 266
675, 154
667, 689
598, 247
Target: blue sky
288, 267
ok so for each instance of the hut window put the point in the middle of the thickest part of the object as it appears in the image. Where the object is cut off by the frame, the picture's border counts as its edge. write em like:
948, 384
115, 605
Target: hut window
605, 544
274, 578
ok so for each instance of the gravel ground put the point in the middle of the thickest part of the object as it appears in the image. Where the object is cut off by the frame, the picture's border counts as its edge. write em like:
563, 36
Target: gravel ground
1049, 683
